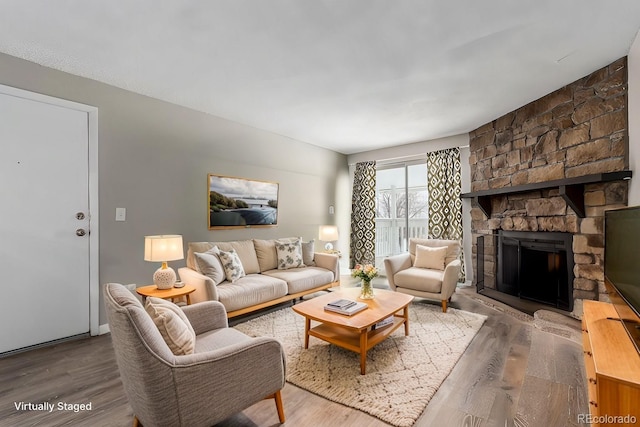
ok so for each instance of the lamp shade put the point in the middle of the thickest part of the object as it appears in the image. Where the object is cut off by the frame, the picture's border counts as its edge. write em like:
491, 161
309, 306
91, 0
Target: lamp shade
328, 233
163, 248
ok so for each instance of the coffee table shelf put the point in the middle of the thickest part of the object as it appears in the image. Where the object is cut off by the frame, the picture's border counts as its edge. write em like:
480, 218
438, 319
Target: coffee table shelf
350, 339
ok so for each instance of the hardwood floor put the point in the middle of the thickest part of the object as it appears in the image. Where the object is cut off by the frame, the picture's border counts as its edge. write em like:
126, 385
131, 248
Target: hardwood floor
512, 374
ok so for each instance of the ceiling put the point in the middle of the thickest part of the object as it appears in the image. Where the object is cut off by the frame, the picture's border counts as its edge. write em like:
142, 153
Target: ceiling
348, 75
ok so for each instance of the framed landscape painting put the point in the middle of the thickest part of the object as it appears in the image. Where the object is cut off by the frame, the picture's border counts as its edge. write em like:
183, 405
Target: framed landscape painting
240, 202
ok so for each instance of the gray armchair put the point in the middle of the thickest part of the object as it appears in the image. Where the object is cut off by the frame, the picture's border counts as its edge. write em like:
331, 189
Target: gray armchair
227, 372
432, 283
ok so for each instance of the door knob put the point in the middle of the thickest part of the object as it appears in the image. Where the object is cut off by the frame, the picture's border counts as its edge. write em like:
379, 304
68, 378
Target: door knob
80, 232
80, 215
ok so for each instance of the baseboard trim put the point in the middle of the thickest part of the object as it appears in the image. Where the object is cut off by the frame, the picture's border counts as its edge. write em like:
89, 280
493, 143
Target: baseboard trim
104, 329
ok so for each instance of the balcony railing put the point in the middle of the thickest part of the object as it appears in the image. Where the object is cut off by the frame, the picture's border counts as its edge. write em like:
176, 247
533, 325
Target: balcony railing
392, 236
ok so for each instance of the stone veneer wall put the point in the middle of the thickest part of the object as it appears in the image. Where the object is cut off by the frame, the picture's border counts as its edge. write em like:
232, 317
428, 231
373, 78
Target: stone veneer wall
578, 130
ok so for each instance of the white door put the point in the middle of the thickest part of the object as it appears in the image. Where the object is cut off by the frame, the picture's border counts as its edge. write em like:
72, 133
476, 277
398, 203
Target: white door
44, 255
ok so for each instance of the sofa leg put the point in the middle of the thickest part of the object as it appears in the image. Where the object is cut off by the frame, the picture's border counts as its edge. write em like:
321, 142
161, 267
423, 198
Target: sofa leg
278, 398
136, 422
444, 305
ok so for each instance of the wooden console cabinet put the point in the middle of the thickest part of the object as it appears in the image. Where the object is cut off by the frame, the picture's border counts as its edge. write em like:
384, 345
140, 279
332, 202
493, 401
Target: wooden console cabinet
612, 364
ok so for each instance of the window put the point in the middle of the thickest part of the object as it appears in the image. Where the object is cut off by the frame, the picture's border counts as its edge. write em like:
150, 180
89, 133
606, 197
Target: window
401, 207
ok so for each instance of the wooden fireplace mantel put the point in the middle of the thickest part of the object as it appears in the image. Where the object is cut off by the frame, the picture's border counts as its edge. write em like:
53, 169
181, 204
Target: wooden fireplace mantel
571, 190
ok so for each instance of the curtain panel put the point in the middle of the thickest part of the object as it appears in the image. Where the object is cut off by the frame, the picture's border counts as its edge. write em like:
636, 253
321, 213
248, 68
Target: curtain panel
363, 215
445, 205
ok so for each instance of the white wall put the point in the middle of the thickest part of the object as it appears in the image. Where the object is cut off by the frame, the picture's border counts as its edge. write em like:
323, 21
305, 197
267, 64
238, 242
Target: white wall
633, 63
418, 150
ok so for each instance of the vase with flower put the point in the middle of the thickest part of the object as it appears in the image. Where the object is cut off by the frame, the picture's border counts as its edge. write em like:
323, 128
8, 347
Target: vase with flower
366, 273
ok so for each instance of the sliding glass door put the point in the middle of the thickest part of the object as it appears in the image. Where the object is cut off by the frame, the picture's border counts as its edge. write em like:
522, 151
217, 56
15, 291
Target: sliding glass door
401, 207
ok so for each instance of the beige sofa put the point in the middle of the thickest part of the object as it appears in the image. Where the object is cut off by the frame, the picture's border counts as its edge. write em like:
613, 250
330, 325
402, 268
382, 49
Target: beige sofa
264, 284
433, 282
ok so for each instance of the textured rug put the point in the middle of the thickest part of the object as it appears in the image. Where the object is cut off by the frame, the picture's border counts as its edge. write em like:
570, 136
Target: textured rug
403, 373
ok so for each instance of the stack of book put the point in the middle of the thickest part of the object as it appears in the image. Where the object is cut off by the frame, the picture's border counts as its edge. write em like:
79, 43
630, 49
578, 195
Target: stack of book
345, 306
384, 322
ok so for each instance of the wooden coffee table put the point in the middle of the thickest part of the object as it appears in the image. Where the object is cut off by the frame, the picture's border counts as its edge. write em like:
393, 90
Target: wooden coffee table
355, 332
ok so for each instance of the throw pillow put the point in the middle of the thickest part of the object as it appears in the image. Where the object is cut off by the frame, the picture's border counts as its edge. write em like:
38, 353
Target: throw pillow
232, 265
289, 254
209, 264
308, 249
173, 325
428, 257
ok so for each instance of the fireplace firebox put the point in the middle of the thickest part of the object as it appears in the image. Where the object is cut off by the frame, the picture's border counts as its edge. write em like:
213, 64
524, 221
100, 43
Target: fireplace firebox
536, 266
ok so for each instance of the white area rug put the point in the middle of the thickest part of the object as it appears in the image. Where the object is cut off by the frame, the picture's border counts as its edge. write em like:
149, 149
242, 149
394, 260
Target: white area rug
403, 373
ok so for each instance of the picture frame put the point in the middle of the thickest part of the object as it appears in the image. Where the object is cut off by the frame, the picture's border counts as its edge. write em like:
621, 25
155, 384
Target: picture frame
235, 202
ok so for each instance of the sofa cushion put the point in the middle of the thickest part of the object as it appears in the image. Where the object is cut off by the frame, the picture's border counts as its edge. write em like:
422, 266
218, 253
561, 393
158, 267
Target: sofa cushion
302, 279
173, 325
250, 290
209, 264
308, 251
246, 252
192, 248
244, 248
233, 269
421, 279
266, 253
289, 254
427, 257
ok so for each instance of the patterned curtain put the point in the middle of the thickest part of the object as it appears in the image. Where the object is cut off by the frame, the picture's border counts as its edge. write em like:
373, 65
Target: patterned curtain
445, 206
363, 215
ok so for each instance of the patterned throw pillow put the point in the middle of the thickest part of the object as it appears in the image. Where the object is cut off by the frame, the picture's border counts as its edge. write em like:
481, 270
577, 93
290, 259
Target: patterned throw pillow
232, 265
173, 325
289, 254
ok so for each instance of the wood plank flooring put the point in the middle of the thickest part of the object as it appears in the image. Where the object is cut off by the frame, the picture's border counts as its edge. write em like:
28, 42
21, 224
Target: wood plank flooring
512, 374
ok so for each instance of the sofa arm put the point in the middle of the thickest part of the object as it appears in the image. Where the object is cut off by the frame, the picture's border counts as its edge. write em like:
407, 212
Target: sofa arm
394, 264
206, 316
330, 262
205, 288
450, 278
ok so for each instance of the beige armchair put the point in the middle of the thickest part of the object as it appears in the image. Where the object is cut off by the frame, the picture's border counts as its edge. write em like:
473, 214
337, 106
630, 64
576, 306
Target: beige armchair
425, 272
227, 372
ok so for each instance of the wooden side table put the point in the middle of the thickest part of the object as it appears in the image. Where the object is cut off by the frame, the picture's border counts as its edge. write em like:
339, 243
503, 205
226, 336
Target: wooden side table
171, 293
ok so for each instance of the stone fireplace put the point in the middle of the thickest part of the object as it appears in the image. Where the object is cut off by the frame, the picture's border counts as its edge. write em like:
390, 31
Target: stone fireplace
551, 167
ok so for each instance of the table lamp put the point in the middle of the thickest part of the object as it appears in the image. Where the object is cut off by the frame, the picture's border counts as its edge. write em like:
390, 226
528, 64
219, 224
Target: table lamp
162, 249
328, 233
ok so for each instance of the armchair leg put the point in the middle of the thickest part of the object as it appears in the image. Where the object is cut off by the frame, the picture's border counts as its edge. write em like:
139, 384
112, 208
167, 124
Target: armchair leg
136, 422
278, 398
444, 305
279, 406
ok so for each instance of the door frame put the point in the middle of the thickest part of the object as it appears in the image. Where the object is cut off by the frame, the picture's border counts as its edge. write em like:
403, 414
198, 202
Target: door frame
94, 227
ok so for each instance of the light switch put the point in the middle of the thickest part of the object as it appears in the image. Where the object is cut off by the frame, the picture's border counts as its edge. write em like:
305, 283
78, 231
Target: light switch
121, 214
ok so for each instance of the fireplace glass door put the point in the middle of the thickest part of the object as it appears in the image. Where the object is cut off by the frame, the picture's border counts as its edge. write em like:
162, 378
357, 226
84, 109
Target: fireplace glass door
536, 266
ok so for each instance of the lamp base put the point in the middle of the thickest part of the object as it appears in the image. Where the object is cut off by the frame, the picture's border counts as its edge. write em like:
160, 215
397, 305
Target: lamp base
328, 247
164, 278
